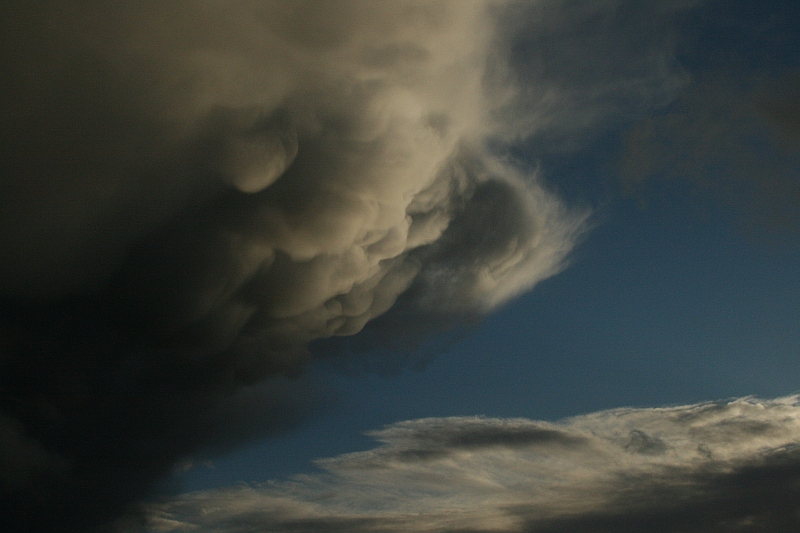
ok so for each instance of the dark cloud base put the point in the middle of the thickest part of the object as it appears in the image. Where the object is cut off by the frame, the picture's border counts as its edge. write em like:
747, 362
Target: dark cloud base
192, 193
756, 497
94, 416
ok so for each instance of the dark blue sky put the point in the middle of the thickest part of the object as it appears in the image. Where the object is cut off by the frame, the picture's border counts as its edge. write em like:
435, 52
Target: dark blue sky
238, 236
682, 291
662, 304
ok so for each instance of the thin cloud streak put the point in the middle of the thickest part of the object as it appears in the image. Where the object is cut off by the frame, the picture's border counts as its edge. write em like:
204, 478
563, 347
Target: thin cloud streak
720, 466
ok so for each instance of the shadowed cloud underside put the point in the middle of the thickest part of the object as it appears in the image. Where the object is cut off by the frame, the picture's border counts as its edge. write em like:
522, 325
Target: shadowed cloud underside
198, 198
193, 191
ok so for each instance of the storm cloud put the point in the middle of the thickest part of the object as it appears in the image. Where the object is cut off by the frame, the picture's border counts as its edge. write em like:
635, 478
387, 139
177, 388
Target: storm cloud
193, 191
719, 466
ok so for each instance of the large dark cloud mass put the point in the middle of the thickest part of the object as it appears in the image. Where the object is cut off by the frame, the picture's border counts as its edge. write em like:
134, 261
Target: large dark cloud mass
193, 191
715, 467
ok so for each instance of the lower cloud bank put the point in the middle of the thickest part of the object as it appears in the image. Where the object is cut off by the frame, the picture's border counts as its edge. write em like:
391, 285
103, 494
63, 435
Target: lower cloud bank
720, 466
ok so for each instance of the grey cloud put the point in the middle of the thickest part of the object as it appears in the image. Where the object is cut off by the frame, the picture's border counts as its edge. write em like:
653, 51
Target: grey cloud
434, 439
677, 469
780, 105
641, 442
25, 463
192, 192
760, 496
478, 432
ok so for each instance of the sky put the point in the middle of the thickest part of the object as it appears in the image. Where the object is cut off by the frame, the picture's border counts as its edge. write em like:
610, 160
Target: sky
401, 266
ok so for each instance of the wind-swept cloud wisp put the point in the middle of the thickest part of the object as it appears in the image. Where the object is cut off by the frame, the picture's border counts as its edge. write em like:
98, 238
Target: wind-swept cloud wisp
721, 466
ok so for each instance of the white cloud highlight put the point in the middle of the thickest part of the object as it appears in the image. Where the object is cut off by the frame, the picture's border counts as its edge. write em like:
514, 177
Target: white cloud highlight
703, 467
356, 132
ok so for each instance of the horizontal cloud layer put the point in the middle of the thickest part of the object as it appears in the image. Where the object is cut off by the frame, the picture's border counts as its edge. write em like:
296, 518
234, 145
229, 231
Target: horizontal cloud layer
721, 466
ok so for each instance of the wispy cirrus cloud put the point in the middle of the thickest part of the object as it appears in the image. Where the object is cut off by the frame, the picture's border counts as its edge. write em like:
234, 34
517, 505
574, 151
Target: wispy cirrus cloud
720, 466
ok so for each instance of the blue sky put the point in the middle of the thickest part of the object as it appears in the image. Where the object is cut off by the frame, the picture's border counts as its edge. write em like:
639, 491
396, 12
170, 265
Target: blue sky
442, 266
663, 304
675, 295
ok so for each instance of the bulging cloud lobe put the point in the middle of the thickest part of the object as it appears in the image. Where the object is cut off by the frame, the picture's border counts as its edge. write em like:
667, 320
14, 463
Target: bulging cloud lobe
194, 191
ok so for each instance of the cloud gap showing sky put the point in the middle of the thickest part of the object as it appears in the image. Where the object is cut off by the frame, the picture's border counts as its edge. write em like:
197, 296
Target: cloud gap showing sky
199, 199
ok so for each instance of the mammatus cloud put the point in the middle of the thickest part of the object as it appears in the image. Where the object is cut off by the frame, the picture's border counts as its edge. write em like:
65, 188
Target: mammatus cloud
721, 466
193, 191
373, 118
